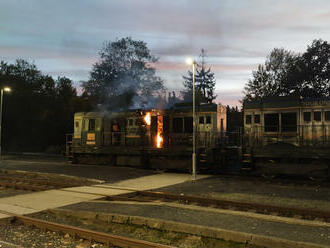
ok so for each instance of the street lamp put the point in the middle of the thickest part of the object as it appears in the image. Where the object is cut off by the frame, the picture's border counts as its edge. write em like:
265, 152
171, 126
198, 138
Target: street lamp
190, 61
7, 89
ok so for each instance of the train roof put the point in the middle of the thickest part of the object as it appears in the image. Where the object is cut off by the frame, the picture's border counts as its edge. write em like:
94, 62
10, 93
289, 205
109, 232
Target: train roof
90, 114
187, 106
286, 101
178, 107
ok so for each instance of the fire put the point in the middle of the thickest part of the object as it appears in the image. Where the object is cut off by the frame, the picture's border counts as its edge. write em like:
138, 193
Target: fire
159, 140
147, 118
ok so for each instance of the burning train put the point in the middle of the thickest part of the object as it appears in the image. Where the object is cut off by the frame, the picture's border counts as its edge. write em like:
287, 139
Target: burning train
149, 138
286, 135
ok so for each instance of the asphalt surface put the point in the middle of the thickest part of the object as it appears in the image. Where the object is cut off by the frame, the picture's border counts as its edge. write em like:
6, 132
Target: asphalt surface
235, 188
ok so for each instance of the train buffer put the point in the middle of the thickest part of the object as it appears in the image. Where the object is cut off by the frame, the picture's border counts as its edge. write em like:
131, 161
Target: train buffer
247, 163
202, 158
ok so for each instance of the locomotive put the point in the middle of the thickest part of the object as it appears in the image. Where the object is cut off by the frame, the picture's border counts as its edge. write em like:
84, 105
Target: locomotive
151, 138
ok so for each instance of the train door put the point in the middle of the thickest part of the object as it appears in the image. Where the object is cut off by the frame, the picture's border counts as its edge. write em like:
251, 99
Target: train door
90, 125
92, 134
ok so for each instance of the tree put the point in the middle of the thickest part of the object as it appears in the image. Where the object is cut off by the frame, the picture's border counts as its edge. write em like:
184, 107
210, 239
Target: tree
39, 110
310, 76
234, 118
123, 74
204, 82
29, 108
289, 74
271, 79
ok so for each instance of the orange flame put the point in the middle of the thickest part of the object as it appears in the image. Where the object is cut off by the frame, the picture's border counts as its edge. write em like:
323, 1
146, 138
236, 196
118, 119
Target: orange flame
159, 140
147, 118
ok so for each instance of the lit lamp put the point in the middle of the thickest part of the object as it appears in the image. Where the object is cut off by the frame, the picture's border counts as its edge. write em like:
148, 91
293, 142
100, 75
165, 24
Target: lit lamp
6, 89
190, 61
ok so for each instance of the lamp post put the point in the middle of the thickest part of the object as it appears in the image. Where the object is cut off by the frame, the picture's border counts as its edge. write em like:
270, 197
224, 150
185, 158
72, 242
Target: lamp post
193, 63
7, 89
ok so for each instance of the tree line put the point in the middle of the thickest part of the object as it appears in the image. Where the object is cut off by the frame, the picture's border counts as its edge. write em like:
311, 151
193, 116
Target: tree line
39, 110
286, 73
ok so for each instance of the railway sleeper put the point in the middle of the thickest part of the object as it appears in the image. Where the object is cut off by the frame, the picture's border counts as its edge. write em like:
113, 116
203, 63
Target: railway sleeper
225, 204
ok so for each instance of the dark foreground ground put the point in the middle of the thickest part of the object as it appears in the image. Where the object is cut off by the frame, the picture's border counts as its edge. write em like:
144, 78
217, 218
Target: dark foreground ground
60, 165
312, 195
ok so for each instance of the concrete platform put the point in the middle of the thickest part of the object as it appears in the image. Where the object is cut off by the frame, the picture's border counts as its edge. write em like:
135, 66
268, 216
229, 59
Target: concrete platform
154, 181
39, 201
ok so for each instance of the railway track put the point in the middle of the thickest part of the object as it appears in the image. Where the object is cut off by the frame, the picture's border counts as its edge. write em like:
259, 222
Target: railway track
18, 181
151, 196
108, 239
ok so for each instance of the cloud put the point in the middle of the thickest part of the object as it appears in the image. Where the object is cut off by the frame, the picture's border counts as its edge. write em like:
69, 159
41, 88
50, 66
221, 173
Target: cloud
173, 66
64, 37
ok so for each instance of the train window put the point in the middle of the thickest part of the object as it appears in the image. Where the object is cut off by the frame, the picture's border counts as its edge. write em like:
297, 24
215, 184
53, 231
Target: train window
77, 124
289, 122
256, 118
201, 120
91, 125
327, 115
136, 122
307, 116
271, 122
208, 119
115, 127
177, 125
188, 124
248, 119
317, 116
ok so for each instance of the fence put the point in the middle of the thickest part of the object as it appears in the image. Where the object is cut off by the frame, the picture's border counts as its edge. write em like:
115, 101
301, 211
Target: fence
203, 139
299, 135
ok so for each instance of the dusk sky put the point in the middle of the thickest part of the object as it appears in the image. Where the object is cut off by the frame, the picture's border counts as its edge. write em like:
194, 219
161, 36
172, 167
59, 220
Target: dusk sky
63, 37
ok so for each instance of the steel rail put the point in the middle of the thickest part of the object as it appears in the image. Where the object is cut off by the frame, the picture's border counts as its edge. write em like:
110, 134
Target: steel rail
259, 207
23, 186
101, 237
40, 181
203, 201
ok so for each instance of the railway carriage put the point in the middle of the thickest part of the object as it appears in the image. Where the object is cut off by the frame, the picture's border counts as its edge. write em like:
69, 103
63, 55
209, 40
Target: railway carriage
290, 130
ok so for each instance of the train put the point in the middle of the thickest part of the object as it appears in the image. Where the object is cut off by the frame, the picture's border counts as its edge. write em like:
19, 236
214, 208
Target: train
288, 134
278, 134
150, 138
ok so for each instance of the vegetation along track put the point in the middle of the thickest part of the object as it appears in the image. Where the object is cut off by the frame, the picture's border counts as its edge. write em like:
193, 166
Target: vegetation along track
105, 238
149, 196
